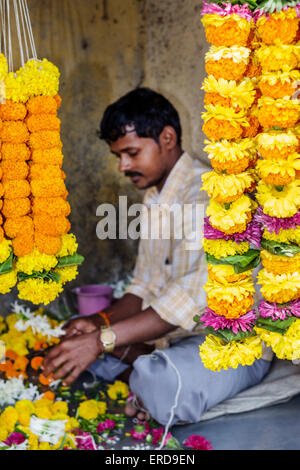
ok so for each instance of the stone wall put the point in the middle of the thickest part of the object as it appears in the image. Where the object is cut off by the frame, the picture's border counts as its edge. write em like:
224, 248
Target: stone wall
103, 49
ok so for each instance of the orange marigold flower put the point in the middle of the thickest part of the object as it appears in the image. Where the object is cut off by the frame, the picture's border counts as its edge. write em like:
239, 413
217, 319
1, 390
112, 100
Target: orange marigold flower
252, 129
42, 105
16, 188
277, 90
216, 129
21, 363
49, 395
275, 153
40, 171
53, 187
15, 226
1, 190
46, 380
23, 245
12, 111
216, 99
269, 116
230, 309
15, 152
52, 226
43, 122
253, 69
226, 68
14, 132
14, 170
278, 31
45, 140
231, 167
36, 362
51, 156
10, 354
53, 206
47, 244
58, 100
16, 207
39, 344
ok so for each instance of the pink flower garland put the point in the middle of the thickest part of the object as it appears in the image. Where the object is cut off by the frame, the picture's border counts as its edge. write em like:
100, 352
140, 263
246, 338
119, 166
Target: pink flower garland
274, 224
252, 234
228, 9
244, 323
277, 312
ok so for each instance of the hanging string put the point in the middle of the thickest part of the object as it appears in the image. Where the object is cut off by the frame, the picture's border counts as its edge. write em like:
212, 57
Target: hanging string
19, 32
24, 30
29, 28
10, 53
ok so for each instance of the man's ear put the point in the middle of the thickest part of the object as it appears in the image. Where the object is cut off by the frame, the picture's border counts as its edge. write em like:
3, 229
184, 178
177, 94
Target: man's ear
168, 138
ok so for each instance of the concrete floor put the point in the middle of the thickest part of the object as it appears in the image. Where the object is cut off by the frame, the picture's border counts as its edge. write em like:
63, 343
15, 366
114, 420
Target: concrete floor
273, 428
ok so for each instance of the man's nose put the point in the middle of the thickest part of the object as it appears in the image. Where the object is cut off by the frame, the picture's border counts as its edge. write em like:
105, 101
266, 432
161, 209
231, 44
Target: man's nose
125, 163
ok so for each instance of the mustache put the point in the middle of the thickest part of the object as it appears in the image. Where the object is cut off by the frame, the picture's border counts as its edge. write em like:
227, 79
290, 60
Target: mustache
132, 173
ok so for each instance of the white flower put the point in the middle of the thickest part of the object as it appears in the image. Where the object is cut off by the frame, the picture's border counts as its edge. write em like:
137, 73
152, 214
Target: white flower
14, 390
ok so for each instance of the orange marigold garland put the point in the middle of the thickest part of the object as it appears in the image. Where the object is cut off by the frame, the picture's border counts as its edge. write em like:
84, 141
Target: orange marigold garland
40, 254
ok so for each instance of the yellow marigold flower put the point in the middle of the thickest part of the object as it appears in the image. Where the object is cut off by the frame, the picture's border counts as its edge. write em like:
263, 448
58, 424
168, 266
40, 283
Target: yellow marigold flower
278, 27
35, 261
91, 409
47, 244
227, 188
72, 424
39, 77
274, 145
33, 441
285, 346
280, 202
69, 245
51, 156
221, 248
225, 273
3, 434
237, 215
217, 355
8, 419
118, 390
234, 157
44, 446
14, 132
276, 264
24, 417
5, 250
228, 291
290, 235
229, 63
279, 57
42, 105
10, 111
15, 152
67, 274
280, 112
279, 288
3, 66
43, 122
39, 292
230, 30
60, 406
44, 140
280, 172
8, 281
25, 405
240, 95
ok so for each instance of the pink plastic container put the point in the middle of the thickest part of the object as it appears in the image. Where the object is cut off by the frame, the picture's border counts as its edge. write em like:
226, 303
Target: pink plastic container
93, 298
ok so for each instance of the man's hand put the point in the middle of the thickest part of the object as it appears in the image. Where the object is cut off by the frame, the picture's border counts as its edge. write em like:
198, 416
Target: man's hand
82, 325
72, 356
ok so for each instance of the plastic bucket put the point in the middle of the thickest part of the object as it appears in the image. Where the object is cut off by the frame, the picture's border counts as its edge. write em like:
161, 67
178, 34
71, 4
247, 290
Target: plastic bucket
93, 298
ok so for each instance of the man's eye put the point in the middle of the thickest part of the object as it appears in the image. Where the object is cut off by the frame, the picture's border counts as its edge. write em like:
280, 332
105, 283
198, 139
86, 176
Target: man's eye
133, 154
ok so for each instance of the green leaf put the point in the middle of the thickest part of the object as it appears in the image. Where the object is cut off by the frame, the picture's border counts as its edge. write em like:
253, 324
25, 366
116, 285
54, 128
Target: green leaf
7, 266
46, 276
240, 263
277, 326
73, 260
276, 248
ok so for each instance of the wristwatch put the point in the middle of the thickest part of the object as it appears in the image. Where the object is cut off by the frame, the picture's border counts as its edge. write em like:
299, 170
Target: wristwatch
108, 338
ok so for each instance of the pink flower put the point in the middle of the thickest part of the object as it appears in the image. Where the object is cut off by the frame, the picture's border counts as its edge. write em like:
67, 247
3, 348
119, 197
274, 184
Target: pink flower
227, 9
196, 442
15, 438
157, 434
108, 424
274, 224
252, 234
217, 322
140, 430
85, 440
277, 312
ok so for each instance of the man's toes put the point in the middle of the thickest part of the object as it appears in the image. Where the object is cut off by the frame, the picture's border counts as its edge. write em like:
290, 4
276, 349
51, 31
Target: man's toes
130, 409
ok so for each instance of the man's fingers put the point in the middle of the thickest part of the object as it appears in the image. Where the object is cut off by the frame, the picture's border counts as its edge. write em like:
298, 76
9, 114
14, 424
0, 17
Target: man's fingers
72, 376
50, 364
64, 370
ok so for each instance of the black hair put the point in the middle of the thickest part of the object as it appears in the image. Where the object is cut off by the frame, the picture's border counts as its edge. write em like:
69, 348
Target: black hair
148, 111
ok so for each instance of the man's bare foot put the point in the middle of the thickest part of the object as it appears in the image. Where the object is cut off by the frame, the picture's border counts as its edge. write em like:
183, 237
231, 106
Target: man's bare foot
135, 408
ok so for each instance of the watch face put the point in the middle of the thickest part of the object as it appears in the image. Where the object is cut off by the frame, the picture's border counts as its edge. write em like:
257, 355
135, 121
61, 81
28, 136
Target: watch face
108, 336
